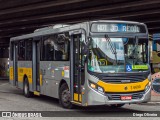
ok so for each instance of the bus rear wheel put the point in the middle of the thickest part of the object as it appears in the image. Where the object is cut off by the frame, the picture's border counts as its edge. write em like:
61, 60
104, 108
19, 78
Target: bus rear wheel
26, 91
64, 96
117, 105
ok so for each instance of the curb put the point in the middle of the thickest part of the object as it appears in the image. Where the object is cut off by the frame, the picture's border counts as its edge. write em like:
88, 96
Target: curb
9, 92
3, 91
150, 103
157, 102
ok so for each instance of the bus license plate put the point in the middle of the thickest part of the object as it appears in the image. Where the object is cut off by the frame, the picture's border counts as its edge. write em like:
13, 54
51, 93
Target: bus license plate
126, 97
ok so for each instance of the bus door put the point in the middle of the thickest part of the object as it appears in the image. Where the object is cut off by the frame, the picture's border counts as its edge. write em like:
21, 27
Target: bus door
15, 65
77, 68
36, 66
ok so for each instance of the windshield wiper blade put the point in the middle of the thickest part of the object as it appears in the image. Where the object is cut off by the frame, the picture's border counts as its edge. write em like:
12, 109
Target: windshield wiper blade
133, 54
112, 47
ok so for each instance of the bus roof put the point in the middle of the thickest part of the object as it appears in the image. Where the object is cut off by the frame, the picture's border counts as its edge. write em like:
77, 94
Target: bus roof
58, 28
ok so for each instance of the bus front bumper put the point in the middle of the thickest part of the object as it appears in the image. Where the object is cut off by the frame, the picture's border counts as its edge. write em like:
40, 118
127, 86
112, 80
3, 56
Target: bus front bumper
96, 98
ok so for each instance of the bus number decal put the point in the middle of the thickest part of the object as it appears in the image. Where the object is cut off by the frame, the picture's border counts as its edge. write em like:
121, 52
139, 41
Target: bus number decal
101, 27
135, 87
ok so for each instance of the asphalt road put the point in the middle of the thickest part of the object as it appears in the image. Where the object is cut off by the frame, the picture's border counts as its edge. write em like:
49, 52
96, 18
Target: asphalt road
12, 99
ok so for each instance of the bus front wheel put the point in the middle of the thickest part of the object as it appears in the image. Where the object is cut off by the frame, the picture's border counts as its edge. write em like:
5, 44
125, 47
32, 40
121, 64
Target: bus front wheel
64, 96
26, 91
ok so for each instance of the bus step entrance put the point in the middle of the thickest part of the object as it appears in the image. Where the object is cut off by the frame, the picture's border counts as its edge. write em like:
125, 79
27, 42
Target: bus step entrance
36, 93
38, 88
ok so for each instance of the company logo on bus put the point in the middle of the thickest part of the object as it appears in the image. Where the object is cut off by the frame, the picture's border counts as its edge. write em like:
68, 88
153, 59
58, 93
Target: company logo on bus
125, 81
126, 88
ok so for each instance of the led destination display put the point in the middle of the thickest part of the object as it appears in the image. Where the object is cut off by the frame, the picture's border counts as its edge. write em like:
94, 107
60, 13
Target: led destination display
119, 27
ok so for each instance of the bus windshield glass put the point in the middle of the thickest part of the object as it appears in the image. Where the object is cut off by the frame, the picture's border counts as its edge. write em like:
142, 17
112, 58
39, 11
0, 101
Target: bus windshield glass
112, 55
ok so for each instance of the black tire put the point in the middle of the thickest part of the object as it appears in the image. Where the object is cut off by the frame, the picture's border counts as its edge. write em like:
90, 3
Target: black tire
26, 91
64, 96
117, 105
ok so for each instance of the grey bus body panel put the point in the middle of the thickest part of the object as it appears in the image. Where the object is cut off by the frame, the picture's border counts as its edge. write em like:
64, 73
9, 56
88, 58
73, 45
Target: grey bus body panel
15, 69
34, 65
24, 64
21, 64
52, 76
88, 77
50, 80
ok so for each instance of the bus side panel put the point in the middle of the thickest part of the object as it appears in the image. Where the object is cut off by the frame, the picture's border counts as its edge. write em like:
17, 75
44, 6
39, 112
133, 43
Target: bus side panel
61, 72
11, 77
44, 75
52, 74
24, 69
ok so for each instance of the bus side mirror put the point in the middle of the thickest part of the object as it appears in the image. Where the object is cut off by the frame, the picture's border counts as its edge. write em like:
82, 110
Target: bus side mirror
87, 46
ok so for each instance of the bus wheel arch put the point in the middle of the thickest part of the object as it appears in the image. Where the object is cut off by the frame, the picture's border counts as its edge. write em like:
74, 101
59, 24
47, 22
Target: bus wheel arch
64, 95
26, 91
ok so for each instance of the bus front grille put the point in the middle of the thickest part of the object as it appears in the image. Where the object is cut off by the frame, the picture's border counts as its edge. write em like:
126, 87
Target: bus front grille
117, 96
123, 78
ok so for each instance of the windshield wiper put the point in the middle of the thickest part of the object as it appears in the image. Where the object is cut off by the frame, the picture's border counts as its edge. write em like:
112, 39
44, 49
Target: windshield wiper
112, 47
133, 54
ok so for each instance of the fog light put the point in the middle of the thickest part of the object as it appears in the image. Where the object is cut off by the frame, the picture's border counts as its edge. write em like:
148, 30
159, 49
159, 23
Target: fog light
100, 89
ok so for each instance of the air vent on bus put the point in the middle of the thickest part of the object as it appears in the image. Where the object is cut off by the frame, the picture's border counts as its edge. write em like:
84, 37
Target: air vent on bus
124, 78
136, 95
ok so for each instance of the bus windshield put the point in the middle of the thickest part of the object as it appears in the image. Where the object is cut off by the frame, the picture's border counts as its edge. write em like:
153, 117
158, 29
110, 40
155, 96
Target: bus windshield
110, 55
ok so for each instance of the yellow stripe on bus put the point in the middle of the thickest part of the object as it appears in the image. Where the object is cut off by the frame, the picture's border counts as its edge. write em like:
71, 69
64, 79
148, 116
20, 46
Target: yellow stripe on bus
11, 73
41, 80
76, 97
127, 87
25, 71
21, 73
80, 98
36, 93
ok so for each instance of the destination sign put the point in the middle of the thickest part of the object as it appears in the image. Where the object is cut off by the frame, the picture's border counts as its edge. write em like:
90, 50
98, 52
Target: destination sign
118, 27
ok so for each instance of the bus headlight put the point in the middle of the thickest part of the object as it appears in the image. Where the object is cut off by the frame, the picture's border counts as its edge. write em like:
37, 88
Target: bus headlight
96, 87
93, 85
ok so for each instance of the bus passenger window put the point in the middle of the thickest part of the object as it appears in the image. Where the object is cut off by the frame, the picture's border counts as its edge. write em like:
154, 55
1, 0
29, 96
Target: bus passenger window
48, 49
11, 50
28, 50
55, 48
21, 50
58, 55
62, 47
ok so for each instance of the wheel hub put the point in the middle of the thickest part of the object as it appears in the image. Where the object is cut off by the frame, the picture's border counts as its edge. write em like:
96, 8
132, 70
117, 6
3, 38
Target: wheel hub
66, 96
25, 89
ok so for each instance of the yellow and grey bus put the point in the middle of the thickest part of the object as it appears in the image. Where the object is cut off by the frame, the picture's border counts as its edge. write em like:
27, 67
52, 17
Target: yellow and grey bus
91, 63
